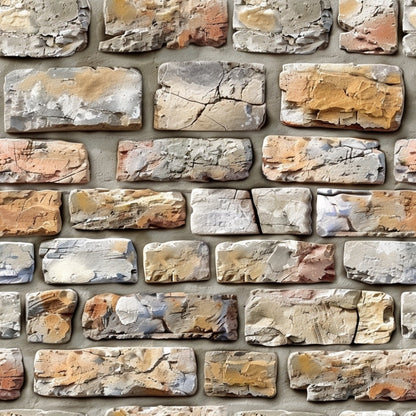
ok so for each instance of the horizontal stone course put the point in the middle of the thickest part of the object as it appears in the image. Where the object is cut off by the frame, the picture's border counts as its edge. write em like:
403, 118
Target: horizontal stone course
17, 262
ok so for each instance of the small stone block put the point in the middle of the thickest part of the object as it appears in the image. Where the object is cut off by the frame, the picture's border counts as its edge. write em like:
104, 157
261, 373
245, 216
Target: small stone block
10, 312
409, 27
167, 411
17, 263
408, 315
405, 159
11, 373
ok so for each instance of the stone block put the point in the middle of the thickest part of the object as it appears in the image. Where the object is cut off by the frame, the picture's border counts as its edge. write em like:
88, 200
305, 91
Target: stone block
167, 411
37, 412
409, 27
405, 159
408, 315
276, 413
369, 413
11, 373
10, 312
17, 263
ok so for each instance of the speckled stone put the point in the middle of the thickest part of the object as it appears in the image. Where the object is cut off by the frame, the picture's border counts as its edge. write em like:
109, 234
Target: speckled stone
17, 263
409, 27
408, 315
405, 159
168, 411
10, 311
11, 373
37, 412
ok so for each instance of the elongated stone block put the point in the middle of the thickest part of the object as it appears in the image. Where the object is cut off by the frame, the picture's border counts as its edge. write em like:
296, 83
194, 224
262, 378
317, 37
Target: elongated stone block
118, 372
276, 413
350, 96
117, 209
405, 159
176, 261
240, 374
213, 96
24, 213
140, 27
409, 27
37, 412
82, 98
369, 413
273, 261
366, 213
323, 160
161, 316
11, 373
17, 263
88, 261
10, 311
408, 315
167, 411
195, 160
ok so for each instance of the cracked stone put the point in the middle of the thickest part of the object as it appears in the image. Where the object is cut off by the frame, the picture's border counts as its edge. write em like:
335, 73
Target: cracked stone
272, 261
275, 413
167, 411
405, 159
196, 160
140, 209
409, 27
213, 96
285, 27
88, 261
11, 373
161, 316
323, 160
118, 372
369, 97
37, 412
408, 315
141, 26
63, 99
240, 374
10, 312
17, 263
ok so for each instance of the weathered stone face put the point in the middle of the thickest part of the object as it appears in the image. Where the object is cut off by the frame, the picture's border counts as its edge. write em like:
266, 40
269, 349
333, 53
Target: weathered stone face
17, 262
37, 412
405, 159
11, 373
369, 97
409, 27
408, 315
10, 312
275, 413
167, 411
212, 96
82, 98
369, 413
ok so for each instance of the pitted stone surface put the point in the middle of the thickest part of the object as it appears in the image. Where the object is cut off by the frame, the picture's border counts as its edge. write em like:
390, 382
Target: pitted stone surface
212, 96
10, 312
37, 412
88, 261
408, 315
276, 413
167, 411
287, 26
17, 263
369, 97
82, 98
118, 372
323, 160
196, 160
140, 25
11, 373
409, 27
405, 158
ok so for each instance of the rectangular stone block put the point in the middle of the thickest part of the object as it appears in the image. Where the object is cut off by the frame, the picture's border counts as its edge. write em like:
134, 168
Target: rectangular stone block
82, 98
88, 261
118, 372
405, 159
276, 413
161, 316
408, 315
240, 374
17, 263
273, 261
118, 209
369, 97
167, 411
369, 413
24, 213
33, 161
323, 160
37, 412
195, 160
365, 213
212, 96
409, 27
11, 373
140, 27
10, 311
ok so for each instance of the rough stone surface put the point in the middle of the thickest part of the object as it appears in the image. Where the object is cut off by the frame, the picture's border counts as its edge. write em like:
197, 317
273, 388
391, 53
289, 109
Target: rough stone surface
276, 413
369, 97
88, 261
10, 312
27, 161
37, 412
364, 375
213, 96
283, 210
408, 315
287, 26
272, 261
366, 213
405, 159
43, 28
323, 160
119, 372
17, 263
176, 261
11, 373
82, 98
370, 26
24, 213
49, 315
141, 26
196, 160
222, 211
101, 209
240, 374
369, 413
167, 411
409, 27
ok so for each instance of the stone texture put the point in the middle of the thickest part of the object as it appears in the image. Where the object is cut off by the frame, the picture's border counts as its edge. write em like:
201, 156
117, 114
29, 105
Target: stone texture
27, 161
276, 413
141, 26
364, 375
161, 316
287, 26
369, 413
118, 372
88, 261
10, 312
11, 373
323, 160
369, 97
283, 210
37, 412
366, 213
272, 261
409, 27
43, 28
222, 212
17, 262
370, 26
82, 98
176, 261
49, 315
405, 159
240, 374
408, 315
101, 209
167, 411
213, 96
24, 213
196, 160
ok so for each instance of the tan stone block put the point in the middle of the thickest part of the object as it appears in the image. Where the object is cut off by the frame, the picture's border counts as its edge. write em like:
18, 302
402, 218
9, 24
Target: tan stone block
167, 411
11, 373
